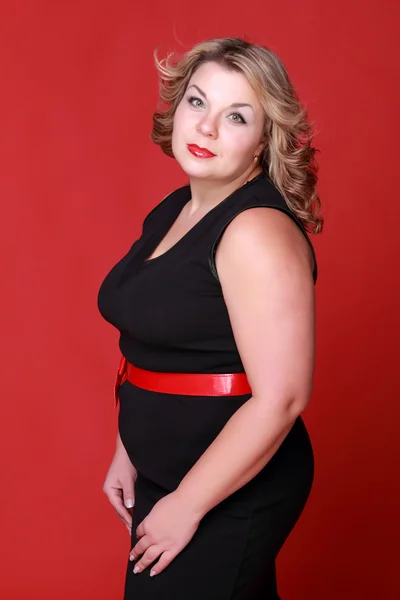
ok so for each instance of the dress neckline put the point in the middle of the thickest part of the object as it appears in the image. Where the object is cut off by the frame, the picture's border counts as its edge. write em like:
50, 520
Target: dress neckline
185, 199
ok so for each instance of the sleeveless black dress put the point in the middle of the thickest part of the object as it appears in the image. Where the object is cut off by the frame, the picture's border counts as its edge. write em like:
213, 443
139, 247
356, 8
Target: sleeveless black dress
172, 317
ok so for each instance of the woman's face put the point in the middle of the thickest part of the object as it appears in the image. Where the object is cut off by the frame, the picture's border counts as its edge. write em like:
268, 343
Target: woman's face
219, 114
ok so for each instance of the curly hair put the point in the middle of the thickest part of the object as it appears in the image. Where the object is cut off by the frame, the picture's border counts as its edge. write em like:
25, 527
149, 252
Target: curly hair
288, 157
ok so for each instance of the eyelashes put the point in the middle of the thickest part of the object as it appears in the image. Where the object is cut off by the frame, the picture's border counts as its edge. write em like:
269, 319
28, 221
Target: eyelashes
192, 99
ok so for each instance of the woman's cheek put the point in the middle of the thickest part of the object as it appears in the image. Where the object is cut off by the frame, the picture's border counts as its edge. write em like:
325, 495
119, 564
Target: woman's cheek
238, 148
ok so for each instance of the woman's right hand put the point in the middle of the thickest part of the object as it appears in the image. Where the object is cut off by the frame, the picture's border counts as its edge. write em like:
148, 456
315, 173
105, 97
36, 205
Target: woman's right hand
119, 486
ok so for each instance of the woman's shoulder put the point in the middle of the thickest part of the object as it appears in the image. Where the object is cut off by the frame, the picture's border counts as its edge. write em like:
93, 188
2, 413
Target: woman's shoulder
265, 194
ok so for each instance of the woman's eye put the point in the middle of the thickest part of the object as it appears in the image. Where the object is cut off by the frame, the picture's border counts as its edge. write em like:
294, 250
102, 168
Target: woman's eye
238, 119
195, 101
198, 103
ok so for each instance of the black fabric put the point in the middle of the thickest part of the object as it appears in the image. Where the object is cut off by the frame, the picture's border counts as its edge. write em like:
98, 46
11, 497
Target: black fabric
172, 317
170, 310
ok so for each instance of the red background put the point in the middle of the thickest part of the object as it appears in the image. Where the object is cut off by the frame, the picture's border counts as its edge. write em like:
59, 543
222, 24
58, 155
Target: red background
78, 175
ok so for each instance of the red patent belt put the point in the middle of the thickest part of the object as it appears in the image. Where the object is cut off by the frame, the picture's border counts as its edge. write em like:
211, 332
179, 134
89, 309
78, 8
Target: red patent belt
190, 384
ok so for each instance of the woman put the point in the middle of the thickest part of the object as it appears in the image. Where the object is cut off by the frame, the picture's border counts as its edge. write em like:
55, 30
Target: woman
215, 307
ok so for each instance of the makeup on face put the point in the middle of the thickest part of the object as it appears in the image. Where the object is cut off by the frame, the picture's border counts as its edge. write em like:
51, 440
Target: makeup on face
218, 117
200, 152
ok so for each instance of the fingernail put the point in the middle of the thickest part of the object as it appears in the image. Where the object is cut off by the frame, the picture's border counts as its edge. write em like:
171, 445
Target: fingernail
136, 569
129, 503
152, 573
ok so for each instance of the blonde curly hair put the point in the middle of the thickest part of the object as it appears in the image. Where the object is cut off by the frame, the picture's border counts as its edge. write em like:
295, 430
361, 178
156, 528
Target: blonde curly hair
288, 157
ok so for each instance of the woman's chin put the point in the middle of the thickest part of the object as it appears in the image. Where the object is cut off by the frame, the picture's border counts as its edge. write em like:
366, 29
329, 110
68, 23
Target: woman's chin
200, 168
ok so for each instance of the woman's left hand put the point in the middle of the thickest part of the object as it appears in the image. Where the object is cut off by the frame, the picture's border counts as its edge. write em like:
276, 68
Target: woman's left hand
166, 530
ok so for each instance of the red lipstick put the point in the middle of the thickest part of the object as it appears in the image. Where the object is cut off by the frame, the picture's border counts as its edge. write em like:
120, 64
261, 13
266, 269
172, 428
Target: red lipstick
200, 152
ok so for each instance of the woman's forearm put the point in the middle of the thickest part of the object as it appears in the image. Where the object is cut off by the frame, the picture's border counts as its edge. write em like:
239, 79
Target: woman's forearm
243, 447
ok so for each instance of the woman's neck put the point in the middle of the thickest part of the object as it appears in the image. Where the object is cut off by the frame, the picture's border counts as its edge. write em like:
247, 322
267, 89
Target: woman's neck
205, 194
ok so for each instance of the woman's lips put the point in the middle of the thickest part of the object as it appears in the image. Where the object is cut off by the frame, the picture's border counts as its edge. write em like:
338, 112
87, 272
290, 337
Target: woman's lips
199, 152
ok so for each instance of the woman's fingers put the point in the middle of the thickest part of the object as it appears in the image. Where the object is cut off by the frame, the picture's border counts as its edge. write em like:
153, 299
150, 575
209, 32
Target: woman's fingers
116, 499
128, 494
165, 559
151, 554
124, 513
142, 545
146, 553
129, 527
119, 486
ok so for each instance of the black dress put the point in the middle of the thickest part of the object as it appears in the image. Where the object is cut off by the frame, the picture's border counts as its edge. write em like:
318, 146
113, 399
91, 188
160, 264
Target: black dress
172, 317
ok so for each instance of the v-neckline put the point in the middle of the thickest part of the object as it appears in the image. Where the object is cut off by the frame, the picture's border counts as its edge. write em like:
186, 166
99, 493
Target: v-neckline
185, 199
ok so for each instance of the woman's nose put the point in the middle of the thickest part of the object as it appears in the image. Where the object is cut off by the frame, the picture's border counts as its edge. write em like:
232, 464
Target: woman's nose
208, 127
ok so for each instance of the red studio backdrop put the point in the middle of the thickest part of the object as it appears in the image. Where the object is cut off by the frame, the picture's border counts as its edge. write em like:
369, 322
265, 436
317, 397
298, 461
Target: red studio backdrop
78, 175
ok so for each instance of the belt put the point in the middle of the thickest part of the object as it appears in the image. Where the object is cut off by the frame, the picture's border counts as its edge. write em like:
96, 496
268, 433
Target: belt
189, 384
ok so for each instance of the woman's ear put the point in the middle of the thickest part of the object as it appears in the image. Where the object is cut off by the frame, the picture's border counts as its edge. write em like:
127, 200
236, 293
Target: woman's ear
260, 147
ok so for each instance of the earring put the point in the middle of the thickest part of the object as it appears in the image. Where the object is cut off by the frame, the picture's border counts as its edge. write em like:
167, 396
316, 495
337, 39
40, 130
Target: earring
256, 158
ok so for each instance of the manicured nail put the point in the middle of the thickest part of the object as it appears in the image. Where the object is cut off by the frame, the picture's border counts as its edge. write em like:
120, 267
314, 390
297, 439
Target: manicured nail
136, 569
131, 557
129, 503
152, 573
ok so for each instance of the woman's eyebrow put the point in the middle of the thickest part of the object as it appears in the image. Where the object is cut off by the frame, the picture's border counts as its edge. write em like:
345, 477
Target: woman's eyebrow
234, 104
